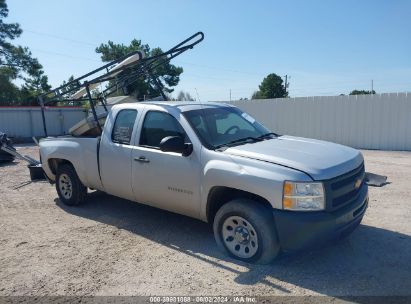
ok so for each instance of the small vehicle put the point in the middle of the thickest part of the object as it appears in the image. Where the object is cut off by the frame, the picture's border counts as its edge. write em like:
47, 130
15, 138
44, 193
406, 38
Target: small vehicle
262, 192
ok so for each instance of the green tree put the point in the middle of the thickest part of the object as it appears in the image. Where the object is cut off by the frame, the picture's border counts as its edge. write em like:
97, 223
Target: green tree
36, 84
271, 87
71, 88
362, 92
8, 90
16, 62
143, 88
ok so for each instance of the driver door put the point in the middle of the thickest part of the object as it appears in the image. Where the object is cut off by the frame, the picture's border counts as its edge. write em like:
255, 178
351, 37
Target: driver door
165, 180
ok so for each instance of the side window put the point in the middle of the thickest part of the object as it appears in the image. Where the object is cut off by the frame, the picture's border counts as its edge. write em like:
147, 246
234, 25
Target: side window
158, 125
123, 126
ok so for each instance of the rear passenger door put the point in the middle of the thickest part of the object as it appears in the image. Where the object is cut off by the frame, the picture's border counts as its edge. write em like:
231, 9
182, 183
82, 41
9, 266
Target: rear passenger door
115, 153
165, 180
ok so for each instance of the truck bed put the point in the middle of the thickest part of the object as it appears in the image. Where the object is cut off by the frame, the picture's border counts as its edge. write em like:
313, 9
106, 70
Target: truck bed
82, 152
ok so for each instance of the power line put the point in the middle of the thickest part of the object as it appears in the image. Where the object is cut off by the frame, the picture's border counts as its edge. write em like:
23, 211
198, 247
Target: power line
183, 62
61, 38
65, 55
298, 89
218, 69
94, 45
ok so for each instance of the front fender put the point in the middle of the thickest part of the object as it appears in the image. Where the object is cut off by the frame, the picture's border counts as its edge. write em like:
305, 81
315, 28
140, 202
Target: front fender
254, 176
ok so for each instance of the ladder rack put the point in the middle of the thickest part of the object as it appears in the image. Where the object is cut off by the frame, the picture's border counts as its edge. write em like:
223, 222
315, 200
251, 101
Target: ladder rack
117, 75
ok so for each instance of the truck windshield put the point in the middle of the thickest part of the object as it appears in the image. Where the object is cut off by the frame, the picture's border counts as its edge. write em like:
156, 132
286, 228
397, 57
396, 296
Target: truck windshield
226, 126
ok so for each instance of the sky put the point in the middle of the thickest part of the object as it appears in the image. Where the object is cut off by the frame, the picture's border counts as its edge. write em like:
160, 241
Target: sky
327, 47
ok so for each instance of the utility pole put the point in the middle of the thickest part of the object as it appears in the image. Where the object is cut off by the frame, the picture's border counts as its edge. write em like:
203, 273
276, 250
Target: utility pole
372, 86
230, 95
286, 83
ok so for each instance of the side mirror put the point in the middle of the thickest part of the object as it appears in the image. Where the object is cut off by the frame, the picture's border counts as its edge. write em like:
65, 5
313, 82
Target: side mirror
176, 144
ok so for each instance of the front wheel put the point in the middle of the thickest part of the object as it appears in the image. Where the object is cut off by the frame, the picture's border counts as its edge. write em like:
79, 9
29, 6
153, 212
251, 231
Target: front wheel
70, 189
246, 231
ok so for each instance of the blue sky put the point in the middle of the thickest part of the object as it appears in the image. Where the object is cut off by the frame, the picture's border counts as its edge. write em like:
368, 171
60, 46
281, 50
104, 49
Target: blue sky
327, 47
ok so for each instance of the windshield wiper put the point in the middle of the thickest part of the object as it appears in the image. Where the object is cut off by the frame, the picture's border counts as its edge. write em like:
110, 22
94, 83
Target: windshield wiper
267, 135
244, 140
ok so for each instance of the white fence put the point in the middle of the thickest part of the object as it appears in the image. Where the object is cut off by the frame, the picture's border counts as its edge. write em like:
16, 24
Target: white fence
381, 121
25, 122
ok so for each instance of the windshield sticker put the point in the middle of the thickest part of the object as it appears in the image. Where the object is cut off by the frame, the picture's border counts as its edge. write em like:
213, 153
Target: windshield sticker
248, 117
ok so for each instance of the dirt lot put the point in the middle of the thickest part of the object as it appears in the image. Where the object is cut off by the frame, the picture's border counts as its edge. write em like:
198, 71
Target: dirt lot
111, 246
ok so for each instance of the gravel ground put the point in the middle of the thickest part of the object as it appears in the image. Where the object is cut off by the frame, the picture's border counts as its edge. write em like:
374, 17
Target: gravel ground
111, 246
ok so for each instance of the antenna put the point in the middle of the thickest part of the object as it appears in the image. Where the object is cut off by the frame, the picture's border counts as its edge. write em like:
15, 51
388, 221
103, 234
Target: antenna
198, 96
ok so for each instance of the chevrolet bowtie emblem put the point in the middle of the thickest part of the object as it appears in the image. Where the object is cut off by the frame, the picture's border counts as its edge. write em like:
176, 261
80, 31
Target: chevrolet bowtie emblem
358, 183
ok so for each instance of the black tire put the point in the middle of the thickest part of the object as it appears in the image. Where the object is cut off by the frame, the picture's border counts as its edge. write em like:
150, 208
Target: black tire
78, 190
260, 219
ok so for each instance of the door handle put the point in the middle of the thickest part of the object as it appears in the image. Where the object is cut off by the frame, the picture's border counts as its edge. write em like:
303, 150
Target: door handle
142, 159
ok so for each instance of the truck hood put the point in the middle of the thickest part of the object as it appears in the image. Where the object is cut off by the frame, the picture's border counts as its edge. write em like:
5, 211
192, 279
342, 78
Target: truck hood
319, 159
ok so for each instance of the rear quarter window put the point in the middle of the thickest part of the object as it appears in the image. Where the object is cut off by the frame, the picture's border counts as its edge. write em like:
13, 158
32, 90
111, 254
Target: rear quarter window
123, 126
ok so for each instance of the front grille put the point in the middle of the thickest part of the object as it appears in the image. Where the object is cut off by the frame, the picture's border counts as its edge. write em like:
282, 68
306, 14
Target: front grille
342, 190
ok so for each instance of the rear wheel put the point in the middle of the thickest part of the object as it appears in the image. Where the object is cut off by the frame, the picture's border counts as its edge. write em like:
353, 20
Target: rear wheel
246, 231
70, 189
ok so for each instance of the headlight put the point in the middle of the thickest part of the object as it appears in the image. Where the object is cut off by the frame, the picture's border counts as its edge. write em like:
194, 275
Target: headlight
303, 196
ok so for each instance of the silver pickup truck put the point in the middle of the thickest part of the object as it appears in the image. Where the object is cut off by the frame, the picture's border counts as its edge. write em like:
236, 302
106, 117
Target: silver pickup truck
263, 192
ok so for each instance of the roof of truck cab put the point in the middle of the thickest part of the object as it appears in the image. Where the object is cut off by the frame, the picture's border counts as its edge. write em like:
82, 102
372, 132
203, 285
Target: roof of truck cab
183, 106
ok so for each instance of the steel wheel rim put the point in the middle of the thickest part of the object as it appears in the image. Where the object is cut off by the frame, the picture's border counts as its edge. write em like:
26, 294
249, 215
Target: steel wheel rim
240, 237
65, 186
